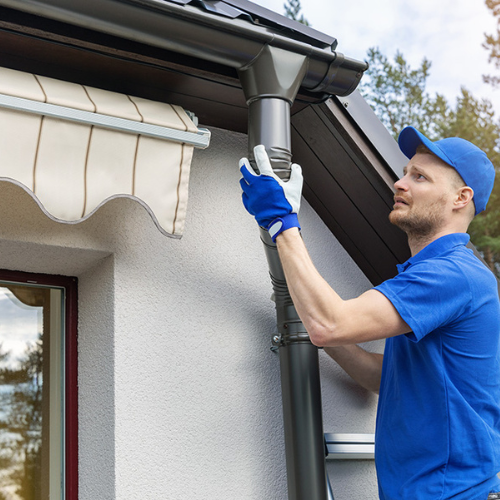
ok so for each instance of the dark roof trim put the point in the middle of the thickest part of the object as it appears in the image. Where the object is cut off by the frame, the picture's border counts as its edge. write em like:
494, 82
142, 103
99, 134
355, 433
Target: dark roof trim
350, 185
260, 15
375, 131
216, 7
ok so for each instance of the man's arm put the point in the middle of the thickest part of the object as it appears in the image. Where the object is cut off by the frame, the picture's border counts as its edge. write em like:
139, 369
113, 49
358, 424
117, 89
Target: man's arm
330, 320
363, 367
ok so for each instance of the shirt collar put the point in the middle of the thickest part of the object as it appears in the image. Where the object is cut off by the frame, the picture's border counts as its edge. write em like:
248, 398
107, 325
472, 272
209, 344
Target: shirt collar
435, 248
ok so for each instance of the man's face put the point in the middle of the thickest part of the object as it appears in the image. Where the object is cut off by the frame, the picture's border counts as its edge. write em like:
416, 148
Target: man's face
423, 198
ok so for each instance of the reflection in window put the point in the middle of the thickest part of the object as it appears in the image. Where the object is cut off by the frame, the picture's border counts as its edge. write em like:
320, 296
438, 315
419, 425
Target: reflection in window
31, 392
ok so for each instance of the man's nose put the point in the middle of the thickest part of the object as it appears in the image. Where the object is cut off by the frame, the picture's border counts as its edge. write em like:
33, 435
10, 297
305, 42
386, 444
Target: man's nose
401, 184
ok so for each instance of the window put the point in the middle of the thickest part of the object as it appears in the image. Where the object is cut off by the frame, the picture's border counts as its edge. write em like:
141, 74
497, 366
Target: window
38, 387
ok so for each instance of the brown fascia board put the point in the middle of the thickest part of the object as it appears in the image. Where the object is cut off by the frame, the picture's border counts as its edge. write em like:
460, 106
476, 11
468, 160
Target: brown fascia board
350, 185
347, 180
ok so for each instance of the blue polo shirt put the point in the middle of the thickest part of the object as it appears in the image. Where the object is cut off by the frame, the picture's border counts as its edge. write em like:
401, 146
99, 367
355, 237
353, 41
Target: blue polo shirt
438, 420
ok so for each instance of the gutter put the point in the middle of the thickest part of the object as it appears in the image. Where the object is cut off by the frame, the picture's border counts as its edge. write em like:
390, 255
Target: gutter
188, 30
271, 68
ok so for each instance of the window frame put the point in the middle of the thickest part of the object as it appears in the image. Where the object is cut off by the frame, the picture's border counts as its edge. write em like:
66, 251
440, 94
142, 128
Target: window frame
70, 286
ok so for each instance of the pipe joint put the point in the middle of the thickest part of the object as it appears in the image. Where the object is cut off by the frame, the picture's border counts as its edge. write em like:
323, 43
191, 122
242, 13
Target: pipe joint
290, 327
293, 333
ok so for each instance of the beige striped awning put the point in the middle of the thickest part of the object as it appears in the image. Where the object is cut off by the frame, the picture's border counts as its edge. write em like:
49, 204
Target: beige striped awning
74, 147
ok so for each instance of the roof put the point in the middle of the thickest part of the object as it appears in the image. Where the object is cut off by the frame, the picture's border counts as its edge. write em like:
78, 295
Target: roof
256, 14
348, 173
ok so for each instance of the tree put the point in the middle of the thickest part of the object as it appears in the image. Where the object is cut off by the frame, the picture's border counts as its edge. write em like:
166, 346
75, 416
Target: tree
398, 96
26, 422
292, 11
21, 422
492, 43
474, 120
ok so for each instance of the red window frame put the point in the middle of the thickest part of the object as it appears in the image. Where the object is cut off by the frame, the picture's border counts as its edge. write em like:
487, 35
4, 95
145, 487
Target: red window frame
70, 285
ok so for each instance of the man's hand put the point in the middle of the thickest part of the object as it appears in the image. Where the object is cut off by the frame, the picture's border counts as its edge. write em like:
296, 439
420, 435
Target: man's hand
273, 202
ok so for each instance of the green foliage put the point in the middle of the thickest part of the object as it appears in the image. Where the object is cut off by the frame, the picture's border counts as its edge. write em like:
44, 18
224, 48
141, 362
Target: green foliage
492, 43
292, 11
397, 93
474, 120
485, 231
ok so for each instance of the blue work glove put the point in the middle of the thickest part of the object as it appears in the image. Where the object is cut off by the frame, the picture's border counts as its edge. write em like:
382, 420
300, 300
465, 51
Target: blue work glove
274, 202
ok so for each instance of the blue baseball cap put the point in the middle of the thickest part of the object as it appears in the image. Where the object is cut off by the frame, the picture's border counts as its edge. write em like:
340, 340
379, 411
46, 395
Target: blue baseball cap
468, 160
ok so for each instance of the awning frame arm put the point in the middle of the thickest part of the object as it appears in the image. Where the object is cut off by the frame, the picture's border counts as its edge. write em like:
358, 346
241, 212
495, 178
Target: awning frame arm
199, 139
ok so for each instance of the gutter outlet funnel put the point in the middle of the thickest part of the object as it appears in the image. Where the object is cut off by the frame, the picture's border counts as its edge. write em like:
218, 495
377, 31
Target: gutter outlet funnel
273, 73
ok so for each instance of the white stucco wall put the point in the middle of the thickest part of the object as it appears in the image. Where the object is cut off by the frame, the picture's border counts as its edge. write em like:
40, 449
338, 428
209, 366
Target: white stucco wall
179, 392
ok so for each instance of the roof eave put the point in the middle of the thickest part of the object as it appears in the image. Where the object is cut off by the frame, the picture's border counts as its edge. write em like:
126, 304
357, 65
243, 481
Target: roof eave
197, 33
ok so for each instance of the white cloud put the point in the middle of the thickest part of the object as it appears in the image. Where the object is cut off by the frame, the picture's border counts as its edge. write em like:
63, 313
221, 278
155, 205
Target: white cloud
19, 324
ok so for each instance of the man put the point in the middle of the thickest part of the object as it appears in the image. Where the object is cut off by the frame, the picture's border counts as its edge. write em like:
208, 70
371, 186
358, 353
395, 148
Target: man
438, 420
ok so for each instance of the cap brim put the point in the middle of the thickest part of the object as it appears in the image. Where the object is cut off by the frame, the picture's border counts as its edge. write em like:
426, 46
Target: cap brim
410, 138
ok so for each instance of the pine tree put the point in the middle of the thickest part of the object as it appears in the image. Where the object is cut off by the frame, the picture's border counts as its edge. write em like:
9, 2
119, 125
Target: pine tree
397, 94
492, 43
292, 11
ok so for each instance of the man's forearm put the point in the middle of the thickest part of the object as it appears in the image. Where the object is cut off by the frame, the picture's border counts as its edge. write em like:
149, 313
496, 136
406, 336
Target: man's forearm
316, 302
318, 306
330, 320
362, 366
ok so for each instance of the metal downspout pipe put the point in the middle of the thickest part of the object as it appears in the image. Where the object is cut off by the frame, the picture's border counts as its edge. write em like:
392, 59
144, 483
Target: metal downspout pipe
270, 84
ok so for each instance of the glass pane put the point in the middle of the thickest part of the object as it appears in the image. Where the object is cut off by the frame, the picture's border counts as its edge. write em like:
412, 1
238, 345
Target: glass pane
31, 389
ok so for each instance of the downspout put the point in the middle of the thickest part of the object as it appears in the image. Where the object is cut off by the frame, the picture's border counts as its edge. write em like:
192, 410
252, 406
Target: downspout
270, 84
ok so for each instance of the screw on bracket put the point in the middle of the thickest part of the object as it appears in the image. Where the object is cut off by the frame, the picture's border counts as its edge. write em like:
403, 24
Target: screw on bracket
276, 341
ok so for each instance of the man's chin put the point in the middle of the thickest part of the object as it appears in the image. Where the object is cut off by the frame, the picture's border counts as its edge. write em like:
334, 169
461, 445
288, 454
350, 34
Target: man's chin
395, 216
400, 219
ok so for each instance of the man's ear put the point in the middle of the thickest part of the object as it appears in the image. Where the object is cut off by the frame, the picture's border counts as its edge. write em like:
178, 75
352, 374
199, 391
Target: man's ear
463, 197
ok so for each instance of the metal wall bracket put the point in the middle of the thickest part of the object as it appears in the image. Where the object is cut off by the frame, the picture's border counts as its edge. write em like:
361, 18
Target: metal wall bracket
350, 446
200, 139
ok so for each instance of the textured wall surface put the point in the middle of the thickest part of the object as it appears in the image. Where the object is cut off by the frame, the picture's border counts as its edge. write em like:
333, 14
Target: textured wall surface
179, 391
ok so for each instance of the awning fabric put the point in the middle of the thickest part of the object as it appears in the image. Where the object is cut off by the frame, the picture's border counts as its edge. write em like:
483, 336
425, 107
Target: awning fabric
73, 168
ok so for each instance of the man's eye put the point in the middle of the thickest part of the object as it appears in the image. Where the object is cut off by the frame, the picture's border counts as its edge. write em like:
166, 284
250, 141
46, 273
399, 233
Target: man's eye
420, 177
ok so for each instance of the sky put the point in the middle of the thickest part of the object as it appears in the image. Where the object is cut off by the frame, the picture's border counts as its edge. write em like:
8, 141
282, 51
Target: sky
19, 325
449, 33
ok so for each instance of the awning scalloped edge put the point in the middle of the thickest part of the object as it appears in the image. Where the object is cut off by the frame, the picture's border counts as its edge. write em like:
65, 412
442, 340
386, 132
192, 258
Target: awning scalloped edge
78, 221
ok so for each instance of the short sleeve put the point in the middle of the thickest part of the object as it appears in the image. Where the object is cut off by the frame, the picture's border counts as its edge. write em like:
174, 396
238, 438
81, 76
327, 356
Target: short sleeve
428, 295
